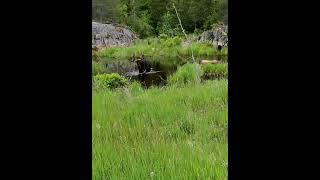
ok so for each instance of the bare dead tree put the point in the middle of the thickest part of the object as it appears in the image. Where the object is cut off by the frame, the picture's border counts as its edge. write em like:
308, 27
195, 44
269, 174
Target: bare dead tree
134, 11
184, 32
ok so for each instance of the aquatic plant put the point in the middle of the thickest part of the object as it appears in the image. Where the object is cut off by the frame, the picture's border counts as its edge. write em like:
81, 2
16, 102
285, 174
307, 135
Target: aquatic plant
110, 81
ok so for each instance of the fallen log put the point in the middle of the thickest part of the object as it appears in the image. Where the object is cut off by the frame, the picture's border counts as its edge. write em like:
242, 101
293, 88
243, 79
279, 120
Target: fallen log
209, 62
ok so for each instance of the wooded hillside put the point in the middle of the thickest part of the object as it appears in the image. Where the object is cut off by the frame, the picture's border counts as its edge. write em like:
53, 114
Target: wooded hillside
152, 17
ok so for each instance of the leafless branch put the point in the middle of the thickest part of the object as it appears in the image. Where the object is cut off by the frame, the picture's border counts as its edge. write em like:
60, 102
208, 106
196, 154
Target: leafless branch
184, 31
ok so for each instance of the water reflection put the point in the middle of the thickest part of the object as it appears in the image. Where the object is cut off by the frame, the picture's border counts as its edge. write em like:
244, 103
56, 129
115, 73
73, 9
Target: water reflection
162, 68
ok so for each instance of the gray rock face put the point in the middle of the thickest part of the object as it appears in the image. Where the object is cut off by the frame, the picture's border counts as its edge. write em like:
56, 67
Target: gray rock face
215, 36
207, 36
107, 35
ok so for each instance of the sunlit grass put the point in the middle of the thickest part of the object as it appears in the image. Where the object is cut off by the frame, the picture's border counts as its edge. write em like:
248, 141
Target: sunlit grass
161, 133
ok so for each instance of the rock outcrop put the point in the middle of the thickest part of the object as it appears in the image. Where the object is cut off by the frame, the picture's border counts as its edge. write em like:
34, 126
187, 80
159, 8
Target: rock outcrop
108, 35
215, 35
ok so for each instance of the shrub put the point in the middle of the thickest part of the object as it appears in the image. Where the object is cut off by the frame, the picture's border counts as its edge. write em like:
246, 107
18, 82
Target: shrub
189, 73
163, 36
111, 81
175, 41
169, 42
141, 25
167, 24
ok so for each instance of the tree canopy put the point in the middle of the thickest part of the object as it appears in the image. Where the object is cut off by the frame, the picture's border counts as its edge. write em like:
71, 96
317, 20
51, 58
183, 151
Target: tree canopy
153, 17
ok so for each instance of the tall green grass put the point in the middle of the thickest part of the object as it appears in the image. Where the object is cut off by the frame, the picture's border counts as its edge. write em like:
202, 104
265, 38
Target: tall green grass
97, 68
215, 70
189, 73
171, 47
161, 133
221, 68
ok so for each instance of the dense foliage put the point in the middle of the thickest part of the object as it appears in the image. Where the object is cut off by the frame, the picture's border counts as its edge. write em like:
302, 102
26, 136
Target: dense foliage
152, 17
110, 81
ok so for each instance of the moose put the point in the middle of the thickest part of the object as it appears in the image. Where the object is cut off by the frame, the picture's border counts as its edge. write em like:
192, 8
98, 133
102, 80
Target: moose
142, 63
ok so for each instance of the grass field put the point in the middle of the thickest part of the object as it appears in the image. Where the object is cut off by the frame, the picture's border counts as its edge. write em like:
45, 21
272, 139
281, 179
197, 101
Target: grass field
161, 133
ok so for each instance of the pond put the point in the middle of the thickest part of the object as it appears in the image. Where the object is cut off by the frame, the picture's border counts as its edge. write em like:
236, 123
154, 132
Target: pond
161, 68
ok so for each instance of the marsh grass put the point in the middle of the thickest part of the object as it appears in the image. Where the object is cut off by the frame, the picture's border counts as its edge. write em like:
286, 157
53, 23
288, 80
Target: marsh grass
171, 47
97, 68
215, 69
161, 133
189, 73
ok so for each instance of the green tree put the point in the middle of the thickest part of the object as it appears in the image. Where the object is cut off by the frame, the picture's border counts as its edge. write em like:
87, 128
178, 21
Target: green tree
152, 17
105, 10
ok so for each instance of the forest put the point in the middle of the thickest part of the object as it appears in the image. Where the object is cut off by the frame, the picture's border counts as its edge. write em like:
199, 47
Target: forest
154, 17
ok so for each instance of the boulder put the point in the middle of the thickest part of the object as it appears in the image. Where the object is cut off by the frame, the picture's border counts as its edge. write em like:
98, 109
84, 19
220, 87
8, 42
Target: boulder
108, 35
214, 35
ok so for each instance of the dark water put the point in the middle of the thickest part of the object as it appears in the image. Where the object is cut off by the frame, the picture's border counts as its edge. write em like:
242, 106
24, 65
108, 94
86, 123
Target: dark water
162, 68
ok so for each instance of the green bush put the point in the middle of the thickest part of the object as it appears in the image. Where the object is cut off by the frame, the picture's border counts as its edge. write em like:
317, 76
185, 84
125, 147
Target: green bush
163, 36
189, 73
169, 42
167, 24
175, 41
141, 25
110, 81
